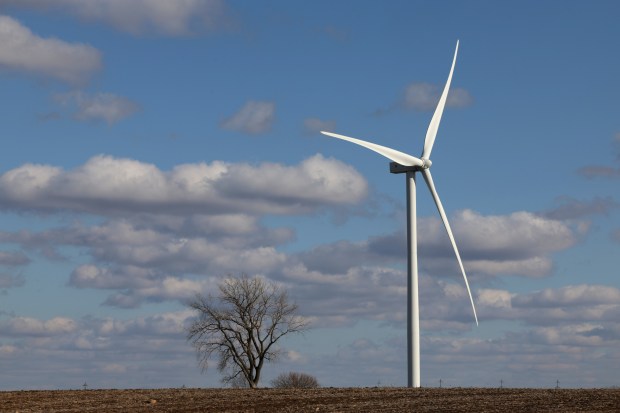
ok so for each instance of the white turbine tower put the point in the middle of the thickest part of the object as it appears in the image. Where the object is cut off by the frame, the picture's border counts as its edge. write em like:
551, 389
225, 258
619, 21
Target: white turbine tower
404, 163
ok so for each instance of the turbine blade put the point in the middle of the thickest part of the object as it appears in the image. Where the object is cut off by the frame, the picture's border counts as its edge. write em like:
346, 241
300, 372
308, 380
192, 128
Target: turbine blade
431, 186
392, 154
431, 132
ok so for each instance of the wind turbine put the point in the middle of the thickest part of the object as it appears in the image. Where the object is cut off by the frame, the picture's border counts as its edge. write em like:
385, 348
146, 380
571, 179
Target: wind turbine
410, 165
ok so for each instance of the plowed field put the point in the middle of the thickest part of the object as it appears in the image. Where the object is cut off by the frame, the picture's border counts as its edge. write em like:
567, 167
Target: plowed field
319, 400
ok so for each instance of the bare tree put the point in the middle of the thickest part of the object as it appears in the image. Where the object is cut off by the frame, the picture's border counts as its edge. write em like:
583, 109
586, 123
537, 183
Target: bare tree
293, 380
242, 325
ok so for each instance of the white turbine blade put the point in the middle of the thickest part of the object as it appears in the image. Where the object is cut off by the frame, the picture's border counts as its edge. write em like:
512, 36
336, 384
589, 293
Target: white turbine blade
392, 154
431, 186
431, 132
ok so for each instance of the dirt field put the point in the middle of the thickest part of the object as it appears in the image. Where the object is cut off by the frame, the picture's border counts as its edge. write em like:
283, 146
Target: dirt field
320, 400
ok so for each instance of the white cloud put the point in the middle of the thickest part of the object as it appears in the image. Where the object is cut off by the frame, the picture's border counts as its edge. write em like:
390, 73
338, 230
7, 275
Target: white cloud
295, 356
156, 343
13, 258
571, 208
581, 335
572, 295
107, 185
129, 277
8, 350
148, 259
425, 96
599, 171
527, 267
99, 349
101, 106
538, 355
148, 262
421, 96
167, 288
21, 51
604, 171
517, 244
315, 125
520, 234
11, 281
180, 17
114, 368
494, 298
28, 326
585, 303
147, 272
254, 117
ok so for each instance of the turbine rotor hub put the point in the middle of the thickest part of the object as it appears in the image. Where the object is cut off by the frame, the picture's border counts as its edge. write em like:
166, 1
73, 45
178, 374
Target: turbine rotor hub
427, 163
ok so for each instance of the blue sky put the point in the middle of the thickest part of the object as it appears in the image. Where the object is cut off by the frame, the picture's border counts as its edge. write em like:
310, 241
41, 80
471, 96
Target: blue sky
149, 150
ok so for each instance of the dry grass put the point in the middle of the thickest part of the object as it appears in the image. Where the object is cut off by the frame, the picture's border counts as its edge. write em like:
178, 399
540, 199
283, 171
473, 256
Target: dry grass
315, 400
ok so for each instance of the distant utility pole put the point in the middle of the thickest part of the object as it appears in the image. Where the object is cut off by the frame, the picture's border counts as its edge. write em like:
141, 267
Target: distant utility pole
84, 386
501, 383
557, 384
440, 383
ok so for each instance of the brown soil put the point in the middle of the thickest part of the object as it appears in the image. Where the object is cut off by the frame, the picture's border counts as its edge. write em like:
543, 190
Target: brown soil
319, 400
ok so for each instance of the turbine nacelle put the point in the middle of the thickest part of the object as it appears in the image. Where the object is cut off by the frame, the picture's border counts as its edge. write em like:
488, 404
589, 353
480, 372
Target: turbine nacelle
397, 168
427, 163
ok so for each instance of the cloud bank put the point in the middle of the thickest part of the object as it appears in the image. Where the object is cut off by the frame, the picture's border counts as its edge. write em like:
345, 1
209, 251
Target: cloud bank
106, 185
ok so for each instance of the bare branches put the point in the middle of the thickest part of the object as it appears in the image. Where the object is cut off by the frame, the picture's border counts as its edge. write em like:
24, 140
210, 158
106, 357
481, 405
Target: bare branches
241, 326
294, 380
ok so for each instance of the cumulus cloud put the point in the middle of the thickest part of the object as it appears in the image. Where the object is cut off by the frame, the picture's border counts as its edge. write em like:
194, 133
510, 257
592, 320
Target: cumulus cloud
22, 51
492, 298
144, 343
315, 125
108, 186
147, 273
568, 305
101, 106
168, 288
153, 347
568, 296
152, 260
181, 17
539, 355
519, 234
148, 259
335, 300
517, 244
27, 326
338, 257
254, 117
